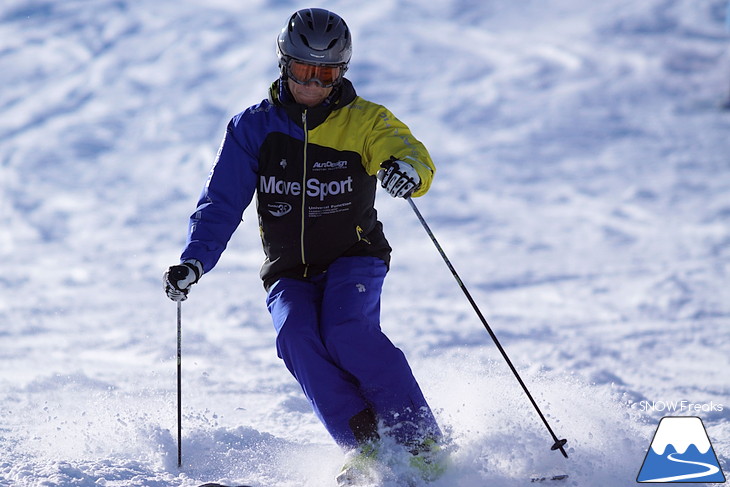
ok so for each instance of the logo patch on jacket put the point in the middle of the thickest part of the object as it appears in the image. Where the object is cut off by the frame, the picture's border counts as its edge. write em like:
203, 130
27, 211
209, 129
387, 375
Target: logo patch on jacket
329, 165
279, 208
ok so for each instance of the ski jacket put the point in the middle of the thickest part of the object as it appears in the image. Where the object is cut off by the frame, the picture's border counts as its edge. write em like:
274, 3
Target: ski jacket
313, 173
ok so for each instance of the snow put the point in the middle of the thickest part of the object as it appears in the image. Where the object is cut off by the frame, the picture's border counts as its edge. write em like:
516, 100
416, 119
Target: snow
583, 194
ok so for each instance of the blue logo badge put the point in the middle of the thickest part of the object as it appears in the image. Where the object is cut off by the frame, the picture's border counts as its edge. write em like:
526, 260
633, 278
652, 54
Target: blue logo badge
681, 452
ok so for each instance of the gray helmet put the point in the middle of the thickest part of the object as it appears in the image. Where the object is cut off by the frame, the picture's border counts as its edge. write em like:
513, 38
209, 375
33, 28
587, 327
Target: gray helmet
315, 36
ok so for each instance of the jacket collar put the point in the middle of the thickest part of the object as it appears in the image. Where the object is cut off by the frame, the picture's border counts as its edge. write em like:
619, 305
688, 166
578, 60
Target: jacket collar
342, 95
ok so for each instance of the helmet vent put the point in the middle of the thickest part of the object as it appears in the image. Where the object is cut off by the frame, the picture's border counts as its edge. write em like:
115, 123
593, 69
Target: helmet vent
304, 40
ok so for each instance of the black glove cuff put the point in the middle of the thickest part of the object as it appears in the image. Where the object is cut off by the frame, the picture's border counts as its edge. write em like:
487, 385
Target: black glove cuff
196, 267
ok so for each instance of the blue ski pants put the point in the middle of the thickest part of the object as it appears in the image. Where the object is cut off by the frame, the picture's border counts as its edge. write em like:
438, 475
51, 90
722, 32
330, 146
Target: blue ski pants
329, 336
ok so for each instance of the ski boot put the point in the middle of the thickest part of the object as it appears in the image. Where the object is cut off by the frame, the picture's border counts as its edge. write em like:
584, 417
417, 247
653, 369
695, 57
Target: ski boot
360, 467
430, 460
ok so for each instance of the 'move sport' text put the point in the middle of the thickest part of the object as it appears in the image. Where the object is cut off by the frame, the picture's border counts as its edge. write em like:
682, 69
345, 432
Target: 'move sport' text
315, 188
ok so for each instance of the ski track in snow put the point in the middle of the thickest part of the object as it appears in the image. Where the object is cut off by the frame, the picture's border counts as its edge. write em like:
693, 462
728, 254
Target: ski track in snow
583, 194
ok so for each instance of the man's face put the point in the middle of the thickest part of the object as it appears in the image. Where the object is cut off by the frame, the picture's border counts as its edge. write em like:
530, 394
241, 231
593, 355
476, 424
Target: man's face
311, 94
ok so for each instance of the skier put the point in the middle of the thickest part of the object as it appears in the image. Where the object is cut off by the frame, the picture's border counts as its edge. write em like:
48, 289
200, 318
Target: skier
311, 153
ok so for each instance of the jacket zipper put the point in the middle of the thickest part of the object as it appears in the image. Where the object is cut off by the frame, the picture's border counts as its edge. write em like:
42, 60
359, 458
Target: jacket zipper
304, 192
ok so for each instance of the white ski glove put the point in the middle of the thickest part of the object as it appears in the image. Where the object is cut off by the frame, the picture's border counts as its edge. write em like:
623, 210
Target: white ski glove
398, 178
178, 279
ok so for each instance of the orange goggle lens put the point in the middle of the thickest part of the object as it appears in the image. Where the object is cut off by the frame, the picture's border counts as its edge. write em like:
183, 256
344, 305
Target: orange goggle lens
303, 73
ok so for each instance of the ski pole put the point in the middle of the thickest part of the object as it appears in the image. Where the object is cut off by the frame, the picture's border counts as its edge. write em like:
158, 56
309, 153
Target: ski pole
179, 384
559, 444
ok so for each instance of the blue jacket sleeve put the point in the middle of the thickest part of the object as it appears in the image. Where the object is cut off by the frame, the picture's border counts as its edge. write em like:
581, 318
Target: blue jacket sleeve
227, 192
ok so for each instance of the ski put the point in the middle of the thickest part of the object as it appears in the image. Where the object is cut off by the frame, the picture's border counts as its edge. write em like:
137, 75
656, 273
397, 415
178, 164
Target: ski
532, 480
548, 479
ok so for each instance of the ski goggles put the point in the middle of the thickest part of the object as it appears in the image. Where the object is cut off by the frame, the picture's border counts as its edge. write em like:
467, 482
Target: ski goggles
303, 73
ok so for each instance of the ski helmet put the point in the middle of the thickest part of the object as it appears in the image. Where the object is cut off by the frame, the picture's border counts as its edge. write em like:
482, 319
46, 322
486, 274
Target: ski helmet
315, 36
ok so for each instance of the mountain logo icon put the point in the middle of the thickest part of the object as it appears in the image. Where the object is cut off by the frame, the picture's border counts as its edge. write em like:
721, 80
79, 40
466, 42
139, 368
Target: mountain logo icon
681, 452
